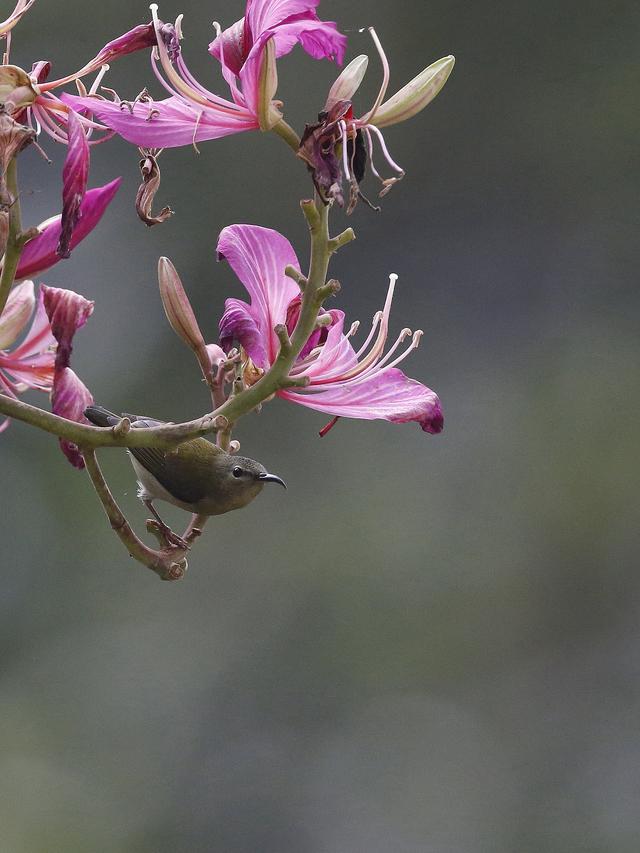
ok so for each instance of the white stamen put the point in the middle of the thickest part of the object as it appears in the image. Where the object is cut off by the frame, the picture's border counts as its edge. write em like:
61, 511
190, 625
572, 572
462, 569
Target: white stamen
345, 159
385, 77
216, 26
98, 80
367, 136
354, 328
178, 26
374, 325
387, 156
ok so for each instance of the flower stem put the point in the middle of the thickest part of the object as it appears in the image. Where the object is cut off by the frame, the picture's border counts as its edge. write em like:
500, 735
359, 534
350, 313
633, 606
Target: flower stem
286, 132
15, 239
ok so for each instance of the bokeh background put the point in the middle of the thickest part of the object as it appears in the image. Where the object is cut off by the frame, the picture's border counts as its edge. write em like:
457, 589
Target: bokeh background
427, 644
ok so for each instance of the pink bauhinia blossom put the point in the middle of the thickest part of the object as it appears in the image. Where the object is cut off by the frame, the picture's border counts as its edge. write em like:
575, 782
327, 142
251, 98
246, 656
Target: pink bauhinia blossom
41, 360
29, 98
342, 382
193, 113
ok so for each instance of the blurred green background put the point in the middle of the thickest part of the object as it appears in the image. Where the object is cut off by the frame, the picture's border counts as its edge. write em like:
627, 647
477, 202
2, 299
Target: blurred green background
427, 644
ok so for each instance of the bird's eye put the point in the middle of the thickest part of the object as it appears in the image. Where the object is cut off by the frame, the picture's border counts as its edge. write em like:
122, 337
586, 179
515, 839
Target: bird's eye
237, 471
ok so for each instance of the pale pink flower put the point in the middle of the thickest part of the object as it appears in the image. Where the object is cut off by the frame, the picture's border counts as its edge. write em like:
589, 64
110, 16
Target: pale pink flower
342, 382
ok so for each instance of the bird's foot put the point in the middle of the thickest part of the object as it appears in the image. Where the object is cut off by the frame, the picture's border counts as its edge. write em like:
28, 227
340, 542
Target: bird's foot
163, 531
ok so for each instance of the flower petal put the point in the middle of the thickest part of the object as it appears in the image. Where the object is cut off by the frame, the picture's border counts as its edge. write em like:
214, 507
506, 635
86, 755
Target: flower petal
74, 181
292, 21
238, 324
258, 256
389, 395
15, 316
168, 123
69, 398
67, 312
40, 253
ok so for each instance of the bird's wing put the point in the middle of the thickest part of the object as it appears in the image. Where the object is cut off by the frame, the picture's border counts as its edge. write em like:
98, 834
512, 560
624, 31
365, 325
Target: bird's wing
184, 471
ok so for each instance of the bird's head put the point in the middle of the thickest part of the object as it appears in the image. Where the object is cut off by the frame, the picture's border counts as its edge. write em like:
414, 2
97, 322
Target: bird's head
241, 479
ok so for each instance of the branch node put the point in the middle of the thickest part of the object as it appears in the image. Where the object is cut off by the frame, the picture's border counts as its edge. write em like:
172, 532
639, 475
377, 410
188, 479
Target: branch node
283, 337
122, 427
220, 423
329, 289
341, 240
301, 280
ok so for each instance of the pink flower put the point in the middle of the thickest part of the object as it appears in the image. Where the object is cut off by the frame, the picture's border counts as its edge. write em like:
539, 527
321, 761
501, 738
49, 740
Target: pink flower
193, 113
342, 382
30, 99
41, 253
41, 360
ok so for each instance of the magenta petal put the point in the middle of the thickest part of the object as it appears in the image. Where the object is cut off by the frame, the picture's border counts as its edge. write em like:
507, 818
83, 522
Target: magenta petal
140, 37
74, 181
238, 324
67, 312
389, 395
40, 253
168, 123
232, 46
69, 398
258, 256
288, 19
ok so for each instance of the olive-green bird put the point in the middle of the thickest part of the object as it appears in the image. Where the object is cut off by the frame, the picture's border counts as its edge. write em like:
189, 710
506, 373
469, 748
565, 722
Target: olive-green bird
197, 475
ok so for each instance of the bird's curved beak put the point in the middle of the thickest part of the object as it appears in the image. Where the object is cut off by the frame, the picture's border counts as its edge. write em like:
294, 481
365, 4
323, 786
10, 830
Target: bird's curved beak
271, 478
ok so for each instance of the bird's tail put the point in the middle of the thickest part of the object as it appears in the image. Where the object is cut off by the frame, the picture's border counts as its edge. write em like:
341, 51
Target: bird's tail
100, 416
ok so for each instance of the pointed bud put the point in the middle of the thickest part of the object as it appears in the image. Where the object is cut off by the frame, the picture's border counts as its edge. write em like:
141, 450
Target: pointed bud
347, 84
415, 95
268, 113
178, 308
16, 89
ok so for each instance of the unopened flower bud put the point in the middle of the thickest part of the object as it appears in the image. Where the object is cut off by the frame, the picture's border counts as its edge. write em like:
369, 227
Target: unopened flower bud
16, 88
415, 96
178, 308
348, 82
268, 113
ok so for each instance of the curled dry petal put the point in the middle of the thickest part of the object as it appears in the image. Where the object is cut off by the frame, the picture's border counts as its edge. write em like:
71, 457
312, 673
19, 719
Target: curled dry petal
17, 312
416, 95
14, 137
147, 190
69, 398
39, 254
74, 181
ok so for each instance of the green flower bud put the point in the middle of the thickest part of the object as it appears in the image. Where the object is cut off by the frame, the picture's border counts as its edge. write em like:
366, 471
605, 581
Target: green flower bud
415, 96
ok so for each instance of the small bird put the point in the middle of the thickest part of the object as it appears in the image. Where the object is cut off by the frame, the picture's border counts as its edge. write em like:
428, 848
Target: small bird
196, 475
